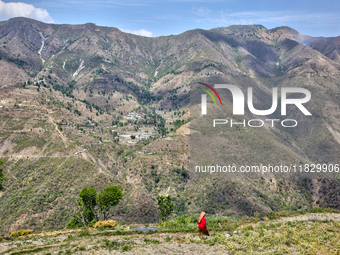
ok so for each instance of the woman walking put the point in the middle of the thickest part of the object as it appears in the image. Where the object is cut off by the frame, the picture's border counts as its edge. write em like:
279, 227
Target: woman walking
202, 226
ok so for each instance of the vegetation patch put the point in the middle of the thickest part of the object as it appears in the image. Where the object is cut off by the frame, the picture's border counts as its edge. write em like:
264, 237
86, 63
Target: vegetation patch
22, 232
105, 224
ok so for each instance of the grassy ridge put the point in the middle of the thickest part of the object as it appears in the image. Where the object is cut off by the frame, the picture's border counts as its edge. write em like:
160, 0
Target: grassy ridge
289, 233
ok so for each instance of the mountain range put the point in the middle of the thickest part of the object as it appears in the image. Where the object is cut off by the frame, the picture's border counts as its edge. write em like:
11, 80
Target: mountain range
84, 105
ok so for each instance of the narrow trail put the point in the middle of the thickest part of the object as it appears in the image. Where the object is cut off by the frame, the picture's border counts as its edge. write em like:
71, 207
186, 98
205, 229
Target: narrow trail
82, 151
34, 156
87, 156
61, 164
57, 129
47, 144
101, 167
11, 174
9, 171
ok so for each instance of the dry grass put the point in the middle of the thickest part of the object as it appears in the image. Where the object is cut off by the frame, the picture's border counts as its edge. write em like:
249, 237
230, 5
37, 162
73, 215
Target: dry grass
307, 234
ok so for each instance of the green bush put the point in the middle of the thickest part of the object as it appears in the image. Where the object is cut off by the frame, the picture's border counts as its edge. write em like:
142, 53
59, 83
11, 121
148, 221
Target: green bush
192, 226
248, 228
74, 223
92, 223
277, 215
115, 245
165, 207
151, 241
2, 177
126, 248
84, 232
318, 210
323, 210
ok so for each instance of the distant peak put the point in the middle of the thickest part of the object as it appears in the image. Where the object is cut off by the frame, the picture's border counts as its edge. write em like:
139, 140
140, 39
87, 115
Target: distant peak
286, 29
246, 28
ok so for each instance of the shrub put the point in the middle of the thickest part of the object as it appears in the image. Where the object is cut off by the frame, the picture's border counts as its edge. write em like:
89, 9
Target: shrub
248, 228
76, 111
277, 215
151, 241
112, 244
165, 207
105, 224
2, 177
217, 238
192, 227
126, 248
91, 223
323, 210
84, 232
74, 223
317, 210
22, 232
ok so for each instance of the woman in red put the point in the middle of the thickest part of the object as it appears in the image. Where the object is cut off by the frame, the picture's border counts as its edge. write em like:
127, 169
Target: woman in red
202, 226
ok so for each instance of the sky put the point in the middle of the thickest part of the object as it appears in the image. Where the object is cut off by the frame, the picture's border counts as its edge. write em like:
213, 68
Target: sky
163, 17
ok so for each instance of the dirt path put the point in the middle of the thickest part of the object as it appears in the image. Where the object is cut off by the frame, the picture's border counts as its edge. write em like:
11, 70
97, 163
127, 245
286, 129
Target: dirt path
11, 174
57, 129
47, 144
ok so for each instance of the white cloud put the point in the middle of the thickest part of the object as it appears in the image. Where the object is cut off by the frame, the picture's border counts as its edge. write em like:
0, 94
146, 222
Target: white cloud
11, 10
201, 11
142, 32
278, 18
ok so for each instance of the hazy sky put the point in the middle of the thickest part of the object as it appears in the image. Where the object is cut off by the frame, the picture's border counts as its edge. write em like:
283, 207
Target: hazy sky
155, 17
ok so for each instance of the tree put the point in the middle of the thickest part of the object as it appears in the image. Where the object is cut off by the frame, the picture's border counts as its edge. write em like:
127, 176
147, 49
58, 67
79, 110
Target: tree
163, 131
165, 207
111, 196
2, 177
84, 216
93, 205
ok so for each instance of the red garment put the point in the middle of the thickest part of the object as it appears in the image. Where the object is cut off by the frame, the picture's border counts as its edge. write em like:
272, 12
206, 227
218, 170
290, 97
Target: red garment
202, 225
